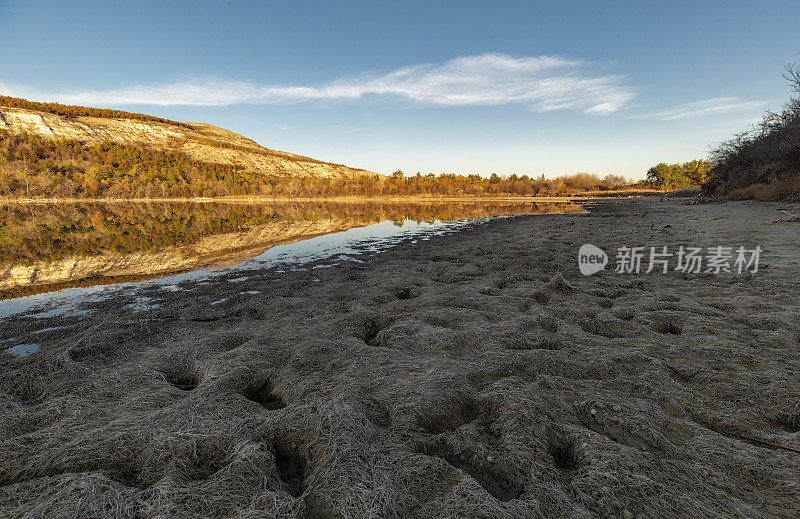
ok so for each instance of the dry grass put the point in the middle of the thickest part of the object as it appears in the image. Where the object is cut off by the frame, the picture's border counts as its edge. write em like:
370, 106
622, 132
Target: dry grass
472, 375
685, 192
772, 192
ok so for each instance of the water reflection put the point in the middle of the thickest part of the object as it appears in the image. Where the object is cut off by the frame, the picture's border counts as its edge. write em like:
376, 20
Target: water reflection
52, 246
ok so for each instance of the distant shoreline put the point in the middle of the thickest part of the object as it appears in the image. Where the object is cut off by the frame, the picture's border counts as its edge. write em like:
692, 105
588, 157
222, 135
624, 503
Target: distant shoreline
337, 199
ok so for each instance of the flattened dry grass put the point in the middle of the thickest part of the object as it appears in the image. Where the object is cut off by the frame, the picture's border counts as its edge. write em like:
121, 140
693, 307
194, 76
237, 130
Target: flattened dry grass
472, 375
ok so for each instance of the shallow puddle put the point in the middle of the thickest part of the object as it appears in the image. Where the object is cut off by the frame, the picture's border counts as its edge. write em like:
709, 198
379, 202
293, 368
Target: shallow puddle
22, 350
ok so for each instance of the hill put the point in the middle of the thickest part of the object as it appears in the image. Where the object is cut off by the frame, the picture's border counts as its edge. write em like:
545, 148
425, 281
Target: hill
199, 142
49, 150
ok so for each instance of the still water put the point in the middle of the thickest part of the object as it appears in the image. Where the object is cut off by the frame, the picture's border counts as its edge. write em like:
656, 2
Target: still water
52, 255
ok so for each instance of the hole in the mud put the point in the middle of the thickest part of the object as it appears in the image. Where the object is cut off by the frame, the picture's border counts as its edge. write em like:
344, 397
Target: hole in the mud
541, 297
600, 329
261, 391
207, 458
559, 284
488, 472
548, 324
24, 390
789, 422
371, 327
451, 417
202, 469
402, 293
127, 476
564, 454
185, 380
371, 330
317, 508
377, 413
680, 375
253, 312
232, 342
668, 327
549, 343
502, 284
606, 303
625, 314
291, 467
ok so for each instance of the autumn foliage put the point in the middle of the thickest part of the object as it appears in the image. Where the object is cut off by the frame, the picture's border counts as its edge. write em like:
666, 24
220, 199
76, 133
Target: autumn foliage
35, 167
79, 111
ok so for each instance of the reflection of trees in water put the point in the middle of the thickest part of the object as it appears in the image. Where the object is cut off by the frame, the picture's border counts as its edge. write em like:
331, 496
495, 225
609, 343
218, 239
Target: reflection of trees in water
52, 231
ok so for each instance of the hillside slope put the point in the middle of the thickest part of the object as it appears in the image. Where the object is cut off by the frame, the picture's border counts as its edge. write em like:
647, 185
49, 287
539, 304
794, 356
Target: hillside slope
201, 142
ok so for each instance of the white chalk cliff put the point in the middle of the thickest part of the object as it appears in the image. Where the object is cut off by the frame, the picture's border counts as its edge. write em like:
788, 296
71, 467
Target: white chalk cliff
199, 141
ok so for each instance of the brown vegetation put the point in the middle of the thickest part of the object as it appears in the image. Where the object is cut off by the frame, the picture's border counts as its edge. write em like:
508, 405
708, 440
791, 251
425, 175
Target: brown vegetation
778, 190
35, 167
78, 111
686, 192
31, 166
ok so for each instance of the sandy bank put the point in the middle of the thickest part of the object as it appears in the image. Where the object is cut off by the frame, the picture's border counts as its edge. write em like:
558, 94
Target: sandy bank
476, 374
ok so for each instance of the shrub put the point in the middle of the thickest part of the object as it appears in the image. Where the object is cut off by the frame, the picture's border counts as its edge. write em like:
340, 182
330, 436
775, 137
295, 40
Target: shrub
763, 162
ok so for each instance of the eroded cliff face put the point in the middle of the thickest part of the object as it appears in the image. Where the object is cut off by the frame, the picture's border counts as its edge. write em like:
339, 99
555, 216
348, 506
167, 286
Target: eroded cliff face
213, 251
200, 142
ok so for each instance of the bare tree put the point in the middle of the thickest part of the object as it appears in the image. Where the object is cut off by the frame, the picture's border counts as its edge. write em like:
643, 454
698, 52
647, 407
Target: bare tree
792, 76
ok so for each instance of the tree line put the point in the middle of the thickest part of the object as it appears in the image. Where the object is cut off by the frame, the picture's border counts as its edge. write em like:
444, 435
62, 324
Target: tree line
77, 111
680, 175
32, 166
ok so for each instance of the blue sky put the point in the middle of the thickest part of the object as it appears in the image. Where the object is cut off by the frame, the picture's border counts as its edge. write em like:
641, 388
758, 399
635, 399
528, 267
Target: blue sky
470, 87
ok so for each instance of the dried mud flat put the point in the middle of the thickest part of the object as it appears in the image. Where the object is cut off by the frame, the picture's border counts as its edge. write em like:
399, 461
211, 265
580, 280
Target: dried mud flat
476, 374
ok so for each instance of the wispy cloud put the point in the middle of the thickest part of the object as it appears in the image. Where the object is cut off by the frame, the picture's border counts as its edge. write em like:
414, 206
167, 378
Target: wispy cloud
716, 105
542, 84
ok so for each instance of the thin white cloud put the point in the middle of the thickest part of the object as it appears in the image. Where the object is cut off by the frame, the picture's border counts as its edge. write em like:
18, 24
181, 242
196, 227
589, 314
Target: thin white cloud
542, 84
716, 105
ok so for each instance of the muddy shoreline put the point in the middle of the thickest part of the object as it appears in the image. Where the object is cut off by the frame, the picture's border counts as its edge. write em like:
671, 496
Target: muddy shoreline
475, 374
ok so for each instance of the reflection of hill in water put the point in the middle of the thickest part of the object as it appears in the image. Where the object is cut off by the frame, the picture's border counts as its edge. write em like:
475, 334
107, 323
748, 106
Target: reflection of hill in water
50, 246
